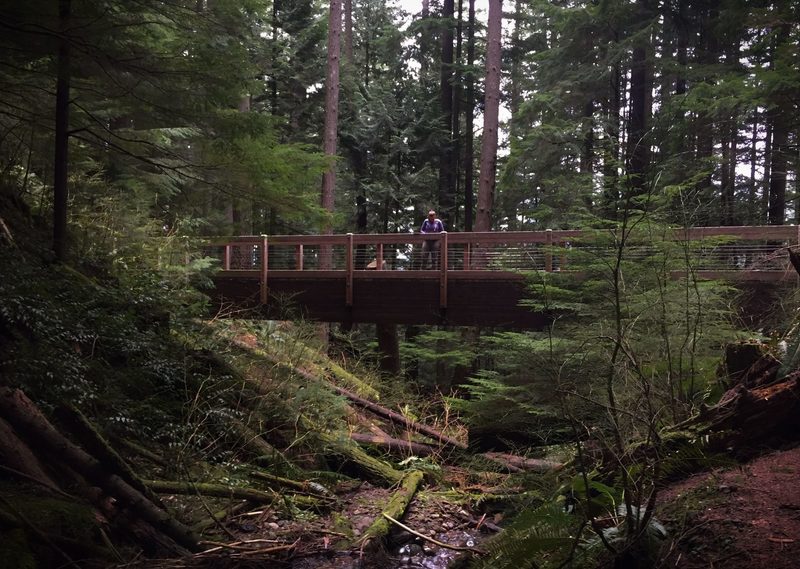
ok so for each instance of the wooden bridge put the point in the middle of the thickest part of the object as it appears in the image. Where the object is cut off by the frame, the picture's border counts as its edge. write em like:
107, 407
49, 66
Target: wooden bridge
474, 279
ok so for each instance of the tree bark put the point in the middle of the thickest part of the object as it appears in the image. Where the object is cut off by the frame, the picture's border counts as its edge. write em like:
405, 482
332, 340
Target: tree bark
389, 348
446, 163
483, 218
638, 147
469, 116
331, 119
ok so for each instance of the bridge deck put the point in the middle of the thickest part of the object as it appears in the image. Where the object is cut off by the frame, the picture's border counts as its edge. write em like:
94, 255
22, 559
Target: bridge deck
478, 278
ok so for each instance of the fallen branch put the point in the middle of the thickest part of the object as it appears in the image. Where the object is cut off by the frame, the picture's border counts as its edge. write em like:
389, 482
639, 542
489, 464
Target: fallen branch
218, 517
430, 539
396, 507
223, 491
6, 232
314, 488
141, 451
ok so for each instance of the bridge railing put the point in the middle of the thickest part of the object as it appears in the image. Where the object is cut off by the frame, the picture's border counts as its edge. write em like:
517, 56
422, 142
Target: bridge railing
714, 252
712, 249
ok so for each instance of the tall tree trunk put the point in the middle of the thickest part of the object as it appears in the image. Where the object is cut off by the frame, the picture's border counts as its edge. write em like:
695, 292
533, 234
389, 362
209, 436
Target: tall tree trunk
61, 158
446, 170
767, 174
331, 117
348, 32
682, 26
637, 150
490, 118
273, 80
780, 118
456, 114
776, 213
611, 146
752, 198
389, 348
469, 113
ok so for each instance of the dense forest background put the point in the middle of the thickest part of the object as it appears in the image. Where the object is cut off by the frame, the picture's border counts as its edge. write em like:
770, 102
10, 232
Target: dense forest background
208, 117
130, 127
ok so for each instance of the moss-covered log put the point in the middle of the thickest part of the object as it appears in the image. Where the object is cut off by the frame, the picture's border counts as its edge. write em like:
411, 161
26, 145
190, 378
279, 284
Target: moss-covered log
373, 469
29, 422
396, 508
393, 445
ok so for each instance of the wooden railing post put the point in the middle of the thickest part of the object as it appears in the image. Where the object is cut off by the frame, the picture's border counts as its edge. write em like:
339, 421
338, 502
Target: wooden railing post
548, 252
264, 267
226, 257
298, 257
467, 247
379, 257
443, 270
349, 271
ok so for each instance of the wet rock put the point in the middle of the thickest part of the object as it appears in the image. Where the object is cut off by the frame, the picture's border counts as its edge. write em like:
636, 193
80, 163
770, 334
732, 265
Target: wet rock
410, 550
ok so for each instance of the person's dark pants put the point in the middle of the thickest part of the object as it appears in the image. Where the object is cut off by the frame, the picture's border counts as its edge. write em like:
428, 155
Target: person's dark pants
430, 254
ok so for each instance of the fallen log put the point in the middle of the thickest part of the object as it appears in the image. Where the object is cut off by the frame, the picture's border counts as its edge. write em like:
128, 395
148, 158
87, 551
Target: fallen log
524, 464
393, 445
223, 491
399, 419
305, 486
28, 421
92, 441
15, 455
749, 416
375, 534
373, 469
379, 410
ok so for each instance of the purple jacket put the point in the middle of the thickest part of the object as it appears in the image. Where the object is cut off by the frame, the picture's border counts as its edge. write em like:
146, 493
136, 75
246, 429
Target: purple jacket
435, 226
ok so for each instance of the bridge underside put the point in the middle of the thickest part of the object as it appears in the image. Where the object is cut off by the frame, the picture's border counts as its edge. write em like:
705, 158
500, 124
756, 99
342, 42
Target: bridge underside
402, 298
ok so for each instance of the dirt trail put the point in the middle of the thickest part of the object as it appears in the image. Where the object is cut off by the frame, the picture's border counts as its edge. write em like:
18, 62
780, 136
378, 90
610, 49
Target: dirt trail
746, 517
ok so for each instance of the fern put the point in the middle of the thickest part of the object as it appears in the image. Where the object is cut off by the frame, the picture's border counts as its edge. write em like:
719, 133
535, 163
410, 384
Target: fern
547, 529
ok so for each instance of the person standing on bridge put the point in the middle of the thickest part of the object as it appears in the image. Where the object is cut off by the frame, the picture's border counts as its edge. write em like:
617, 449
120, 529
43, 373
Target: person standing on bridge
430, 247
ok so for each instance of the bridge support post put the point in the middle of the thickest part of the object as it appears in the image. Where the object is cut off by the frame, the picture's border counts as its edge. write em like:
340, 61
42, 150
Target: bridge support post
443, 270
349, 271
264, 265
548, 253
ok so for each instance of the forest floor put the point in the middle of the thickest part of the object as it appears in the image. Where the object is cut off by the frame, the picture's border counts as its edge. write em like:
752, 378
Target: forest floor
268, 537
746, 516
